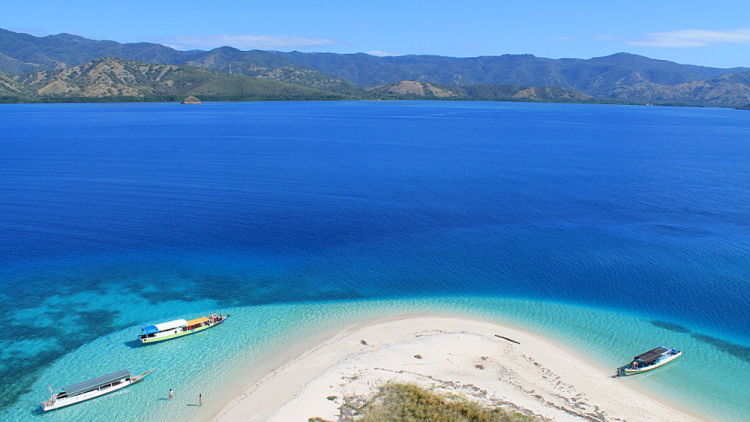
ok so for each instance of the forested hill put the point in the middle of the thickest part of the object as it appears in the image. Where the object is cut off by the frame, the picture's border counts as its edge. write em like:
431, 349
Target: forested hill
116, 79
126, 80
619, 77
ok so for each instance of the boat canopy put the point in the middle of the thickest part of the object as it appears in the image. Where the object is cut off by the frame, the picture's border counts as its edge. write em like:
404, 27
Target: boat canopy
197, 321
95, 383
164, 326
651, 355
151, 329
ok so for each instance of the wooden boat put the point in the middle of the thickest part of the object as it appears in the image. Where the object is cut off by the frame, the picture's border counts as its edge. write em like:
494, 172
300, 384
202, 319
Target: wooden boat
179, 327
92, 388
650, 360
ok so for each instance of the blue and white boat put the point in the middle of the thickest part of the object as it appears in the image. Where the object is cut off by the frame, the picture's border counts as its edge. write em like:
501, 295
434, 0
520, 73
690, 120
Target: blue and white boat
652, 359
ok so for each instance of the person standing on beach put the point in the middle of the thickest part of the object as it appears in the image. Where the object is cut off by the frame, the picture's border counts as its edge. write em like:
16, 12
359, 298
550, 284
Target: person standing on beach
170, 395
200, 399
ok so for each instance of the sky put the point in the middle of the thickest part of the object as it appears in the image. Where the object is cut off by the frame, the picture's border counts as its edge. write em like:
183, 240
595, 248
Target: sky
710, 33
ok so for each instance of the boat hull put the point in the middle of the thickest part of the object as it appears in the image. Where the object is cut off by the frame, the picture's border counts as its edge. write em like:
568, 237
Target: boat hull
68, 401
178, 333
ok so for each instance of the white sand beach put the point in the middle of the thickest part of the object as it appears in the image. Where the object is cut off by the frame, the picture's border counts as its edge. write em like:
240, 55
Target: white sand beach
448, 354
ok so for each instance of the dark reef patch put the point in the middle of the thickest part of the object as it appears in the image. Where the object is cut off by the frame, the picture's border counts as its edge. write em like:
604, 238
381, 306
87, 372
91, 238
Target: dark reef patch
734, 349
669, 326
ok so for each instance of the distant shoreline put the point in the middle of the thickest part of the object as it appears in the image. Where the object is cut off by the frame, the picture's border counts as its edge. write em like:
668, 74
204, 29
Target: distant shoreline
177, 100
452, 354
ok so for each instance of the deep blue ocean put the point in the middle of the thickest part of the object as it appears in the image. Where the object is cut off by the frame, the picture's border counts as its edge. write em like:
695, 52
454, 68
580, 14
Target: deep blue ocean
115, 215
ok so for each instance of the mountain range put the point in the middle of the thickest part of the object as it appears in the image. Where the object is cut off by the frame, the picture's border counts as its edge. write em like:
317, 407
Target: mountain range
29, 61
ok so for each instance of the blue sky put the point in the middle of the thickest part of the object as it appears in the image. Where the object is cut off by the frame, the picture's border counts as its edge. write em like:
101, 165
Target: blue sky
713, 33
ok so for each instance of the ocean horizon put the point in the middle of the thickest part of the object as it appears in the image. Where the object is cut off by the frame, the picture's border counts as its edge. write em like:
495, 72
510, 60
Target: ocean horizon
609, 229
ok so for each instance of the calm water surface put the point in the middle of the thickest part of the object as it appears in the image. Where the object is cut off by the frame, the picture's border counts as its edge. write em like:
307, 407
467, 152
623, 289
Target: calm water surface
117, 215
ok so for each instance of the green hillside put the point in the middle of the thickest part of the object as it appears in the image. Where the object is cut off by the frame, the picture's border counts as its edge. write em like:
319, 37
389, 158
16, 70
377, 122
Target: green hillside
115, 78
424, 90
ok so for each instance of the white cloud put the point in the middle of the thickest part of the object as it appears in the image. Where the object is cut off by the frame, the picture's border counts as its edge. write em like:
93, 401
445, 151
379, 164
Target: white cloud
247, 41
380, 53
694, 38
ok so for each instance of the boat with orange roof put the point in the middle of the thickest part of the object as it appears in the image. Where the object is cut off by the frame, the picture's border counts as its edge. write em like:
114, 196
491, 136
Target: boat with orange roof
179, 327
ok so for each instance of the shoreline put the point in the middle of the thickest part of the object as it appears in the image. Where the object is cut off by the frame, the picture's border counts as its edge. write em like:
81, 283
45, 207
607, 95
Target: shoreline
139, 100
297, 379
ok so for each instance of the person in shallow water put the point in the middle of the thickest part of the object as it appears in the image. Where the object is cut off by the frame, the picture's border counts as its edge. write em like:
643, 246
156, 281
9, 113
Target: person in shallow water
200, 399
171, 394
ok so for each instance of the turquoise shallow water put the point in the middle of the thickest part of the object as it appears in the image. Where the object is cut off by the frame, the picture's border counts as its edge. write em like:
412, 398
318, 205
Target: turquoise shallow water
303, 216
220, 362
